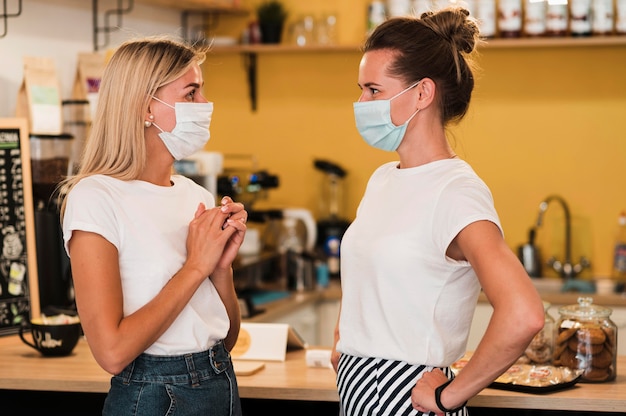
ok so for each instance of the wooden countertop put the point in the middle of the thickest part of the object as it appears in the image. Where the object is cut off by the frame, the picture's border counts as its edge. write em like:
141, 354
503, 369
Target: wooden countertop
571, 298
23, 368
333, 292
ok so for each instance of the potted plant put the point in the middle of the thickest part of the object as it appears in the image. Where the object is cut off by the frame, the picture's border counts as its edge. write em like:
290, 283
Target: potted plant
271, 15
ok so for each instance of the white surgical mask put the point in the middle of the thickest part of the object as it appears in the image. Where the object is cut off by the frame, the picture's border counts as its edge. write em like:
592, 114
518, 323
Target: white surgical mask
373, 120
191, 131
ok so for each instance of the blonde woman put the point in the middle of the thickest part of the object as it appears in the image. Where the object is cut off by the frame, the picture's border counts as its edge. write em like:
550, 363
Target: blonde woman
151, 254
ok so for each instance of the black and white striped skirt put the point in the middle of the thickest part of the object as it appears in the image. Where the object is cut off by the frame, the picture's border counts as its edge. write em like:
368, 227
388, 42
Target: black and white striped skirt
377, 387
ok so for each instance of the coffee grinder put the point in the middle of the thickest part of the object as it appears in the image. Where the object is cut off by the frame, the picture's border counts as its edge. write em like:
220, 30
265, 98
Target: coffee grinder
53, 157
50, 156
330, 225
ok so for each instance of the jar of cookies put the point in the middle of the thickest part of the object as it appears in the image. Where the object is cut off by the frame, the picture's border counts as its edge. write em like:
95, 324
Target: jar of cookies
540, 349
586, 339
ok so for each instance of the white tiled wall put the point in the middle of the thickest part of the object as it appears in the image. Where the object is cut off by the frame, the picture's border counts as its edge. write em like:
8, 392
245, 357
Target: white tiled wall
60, 29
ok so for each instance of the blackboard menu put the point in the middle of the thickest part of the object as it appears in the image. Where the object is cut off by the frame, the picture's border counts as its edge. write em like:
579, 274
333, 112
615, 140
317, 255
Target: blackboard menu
19, 295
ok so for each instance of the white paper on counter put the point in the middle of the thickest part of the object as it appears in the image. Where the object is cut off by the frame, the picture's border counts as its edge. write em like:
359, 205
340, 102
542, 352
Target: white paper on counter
265, 341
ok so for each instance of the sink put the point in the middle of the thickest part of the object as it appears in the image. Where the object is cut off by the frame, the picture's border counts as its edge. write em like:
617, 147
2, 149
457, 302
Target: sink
547, 284
554, 285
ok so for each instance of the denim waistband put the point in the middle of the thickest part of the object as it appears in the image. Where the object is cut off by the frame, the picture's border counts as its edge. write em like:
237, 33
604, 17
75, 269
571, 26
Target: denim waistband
179, 369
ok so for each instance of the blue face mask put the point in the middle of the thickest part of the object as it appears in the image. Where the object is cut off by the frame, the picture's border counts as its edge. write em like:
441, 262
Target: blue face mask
373, 120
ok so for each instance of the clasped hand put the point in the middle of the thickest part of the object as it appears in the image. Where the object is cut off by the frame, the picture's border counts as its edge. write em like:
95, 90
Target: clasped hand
215, 235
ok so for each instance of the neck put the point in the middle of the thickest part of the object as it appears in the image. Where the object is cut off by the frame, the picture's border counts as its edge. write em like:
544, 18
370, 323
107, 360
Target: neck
158, 172
419, 150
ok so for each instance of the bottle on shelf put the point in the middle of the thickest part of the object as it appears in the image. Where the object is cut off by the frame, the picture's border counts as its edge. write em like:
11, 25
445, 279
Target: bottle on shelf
398, 8
557, 17
602, 15
580, 17
509, 18
619, 250
420, 6
376, 15
485, 13
620, 17
534, 18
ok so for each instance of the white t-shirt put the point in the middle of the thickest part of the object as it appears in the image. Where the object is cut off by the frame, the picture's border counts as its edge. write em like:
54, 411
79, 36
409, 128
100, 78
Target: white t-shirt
402, 298
148, 224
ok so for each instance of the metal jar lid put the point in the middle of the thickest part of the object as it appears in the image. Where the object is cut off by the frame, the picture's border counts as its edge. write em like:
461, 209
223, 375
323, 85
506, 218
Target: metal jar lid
585, 310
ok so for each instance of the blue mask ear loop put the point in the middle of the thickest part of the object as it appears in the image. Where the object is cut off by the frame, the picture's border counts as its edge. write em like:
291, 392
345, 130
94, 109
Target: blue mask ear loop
402, 92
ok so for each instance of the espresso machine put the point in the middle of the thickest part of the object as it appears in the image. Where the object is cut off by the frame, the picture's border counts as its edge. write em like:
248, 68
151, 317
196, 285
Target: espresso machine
50, 155
53, 158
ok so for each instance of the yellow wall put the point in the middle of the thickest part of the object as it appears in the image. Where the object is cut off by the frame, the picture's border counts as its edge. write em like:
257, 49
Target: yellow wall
543, 121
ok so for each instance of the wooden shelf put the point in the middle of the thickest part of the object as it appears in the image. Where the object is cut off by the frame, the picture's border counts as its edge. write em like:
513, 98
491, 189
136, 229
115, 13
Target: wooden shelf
285, 48
545, 42
233, 7
551, 42
209, 6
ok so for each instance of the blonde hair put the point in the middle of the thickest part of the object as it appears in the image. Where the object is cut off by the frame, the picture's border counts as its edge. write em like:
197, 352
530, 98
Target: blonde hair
138, 68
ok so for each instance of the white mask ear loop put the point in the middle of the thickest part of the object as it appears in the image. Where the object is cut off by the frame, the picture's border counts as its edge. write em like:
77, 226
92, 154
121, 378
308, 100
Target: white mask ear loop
397, 95
402, 92
157, 126
407, 122
163, 102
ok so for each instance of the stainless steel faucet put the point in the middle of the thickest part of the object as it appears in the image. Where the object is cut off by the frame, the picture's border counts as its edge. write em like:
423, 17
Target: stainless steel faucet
565, 269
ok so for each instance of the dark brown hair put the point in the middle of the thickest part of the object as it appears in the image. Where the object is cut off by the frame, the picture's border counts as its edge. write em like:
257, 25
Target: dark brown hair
437, 46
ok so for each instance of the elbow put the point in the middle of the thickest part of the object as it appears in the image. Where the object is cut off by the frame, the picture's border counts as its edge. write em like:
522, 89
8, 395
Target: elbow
110, 361
535, 321
111, 367
529, 318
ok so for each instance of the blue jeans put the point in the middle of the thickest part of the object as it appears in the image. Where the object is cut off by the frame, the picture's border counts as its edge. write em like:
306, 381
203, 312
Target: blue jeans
202, 383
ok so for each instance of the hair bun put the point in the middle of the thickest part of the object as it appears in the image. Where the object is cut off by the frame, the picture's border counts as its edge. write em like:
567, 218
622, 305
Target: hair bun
455, 25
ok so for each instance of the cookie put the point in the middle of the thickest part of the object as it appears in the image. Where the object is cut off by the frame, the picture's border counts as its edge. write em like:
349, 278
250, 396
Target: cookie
602, 360
565, 334
591, 335
568, 358
596, 374
584, 347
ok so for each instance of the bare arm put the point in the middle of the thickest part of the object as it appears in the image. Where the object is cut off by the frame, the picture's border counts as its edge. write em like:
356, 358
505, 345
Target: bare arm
518, 315
223, 281
116, 340
334, 357
222, 276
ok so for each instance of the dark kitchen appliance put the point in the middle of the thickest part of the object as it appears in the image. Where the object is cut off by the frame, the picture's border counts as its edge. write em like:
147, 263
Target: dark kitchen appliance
530, 256
331, 226
50, 163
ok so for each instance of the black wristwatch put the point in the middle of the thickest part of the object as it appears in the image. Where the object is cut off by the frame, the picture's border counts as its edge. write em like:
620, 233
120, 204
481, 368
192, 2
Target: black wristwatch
438, 391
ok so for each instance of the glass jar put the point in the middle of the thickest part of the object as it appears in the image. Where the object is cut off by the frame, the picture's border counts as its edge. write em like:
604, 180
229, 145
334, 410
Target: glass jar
509, 14
540, 349
587, 340
535, 17
580, 17
557, 17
